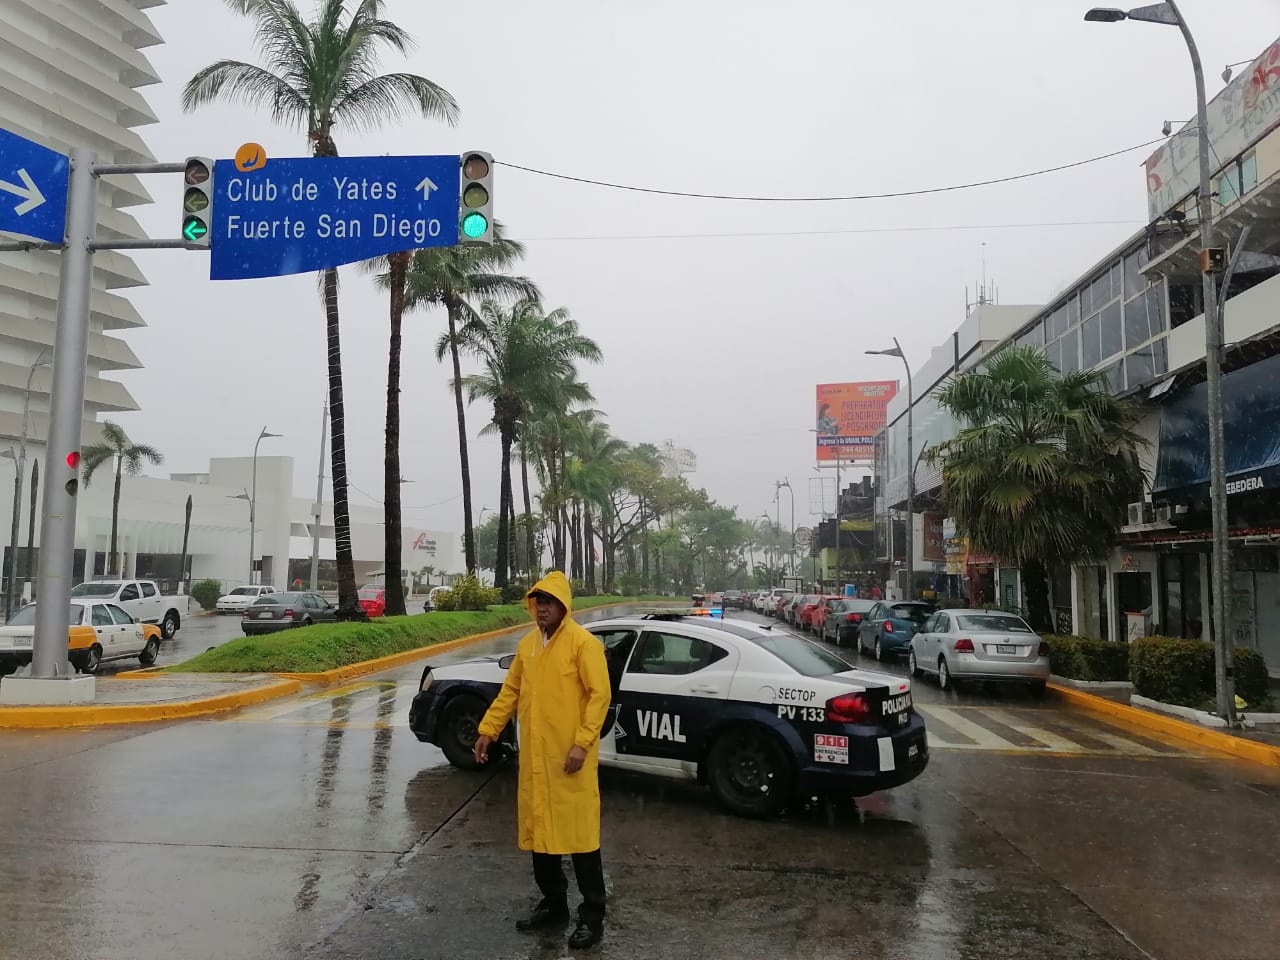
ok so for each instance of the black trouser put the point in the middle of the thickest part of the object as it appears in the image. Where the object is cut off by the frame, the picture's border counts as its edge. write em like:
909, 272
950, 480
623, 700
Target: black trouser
548, 873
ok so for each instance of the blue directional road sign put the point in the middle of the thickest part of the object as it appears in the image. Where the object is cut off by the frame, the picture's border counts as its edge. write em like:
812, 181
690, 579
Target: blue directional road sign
33, 189
309, 213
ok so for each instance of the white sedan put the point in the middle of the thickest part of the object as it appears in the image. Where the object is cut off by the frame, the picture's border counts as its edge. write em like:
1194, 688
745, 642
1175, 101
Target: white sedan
241, 598
986, 645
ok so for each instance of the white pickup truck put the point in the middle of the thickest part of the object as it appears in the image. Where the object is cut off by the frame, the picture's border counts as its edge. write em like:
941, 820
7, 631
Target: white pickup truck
141, 599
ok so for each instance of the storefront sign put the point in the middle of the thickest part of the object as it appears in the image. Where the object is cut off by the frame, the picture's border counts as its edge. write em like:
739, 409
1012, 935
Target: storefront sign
933, 537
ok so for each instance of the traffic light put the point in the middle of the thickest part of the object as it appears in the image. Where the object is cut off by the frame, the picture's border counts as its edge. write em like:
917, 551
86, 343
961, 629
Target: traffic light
476, 201
197, 202
73, 464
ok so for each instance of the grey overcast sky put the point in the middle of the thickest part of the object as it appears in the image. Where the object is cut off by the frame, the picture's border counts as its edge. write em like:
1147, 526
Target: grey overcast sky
715, 343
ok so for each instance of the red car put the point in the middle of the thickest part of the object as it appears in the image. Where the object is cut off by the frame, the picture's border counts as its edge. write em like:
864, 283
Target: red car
818, 614
373, 600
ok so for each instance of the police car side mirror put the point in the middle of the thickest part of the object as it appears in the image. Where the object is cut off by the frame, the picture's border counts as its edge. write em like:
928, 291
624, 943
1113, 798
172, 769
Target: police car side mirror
506, 662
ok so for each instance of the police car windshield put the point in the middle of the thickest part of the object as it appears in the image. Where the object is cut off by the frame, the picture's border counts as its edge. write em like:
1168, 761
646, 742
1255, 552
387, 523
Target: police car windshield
805, 658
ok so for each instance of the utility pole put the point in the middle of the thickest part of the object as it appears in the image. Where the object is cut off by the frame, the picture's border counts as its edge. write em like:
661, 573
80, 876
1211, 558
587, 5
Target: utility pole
318, 507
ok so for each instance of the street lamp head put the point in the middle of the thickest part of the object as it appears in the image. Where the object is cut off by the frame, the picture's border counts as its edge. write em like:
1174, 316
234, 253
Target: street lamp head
1106, 15
8, 455
891, 352
267, 433
239, 496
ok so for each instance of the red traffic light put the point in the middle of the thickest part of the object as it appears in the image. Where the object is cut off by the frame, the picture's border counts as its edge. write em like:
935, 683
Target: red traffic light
73, 459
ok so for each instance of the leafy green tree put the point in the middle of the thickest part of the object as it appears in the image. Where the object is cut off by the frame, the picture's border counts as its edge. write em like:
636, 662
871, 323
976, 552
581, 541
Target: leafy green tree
591, 474
1043, 467
124, 456
320, 74
456, 278
527, 361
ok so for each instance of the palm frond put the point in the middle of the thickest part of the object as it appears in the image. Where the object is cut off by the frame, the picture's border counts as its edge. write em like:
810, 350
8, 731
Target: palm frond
239, 82
394, 96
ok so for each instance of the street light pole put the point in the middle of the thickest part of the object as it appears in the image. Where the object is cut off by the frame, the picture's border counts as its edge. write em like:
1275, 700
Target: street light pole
253, 495
21, 464
896, 351
1168, 13
777, 490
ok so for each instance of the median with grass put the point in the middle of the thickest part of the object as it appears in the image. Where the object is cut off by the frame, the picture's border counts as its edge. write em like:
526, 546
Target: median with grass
328, 646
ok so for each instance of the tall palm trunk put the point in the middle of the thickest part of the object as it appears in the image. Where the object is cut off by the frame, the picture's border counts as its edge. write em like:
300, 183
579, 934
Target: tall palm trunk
530, 561
112, 562
576, 532
392, 532
504, 498
347, 604
468, 528
588, 551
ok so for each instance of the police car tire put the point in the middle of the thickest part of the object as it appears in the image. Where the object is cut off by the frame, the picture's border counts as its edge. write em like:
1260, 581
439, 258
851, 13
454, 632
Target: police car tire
458, 721
727, 750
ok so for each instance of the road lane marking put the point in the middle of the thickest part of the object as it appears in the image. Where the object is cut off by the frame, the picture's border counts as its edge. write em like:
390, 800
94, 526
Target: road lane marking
1048, 738
978, 736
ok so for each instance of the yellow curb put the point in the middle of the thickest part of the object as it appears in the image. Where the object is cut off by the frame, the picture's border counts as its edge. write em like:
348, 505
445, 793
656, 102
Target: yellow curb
1239, 747
146, 673
101, 714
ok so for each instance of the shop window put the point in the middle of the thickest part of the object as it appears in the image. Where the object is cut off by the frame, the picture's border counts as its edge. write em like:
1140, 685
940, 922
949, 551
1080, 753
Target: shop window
1085, 301
1184, 303
1111, 337
1091, 343
1032, 338
1155, 310
1071, 351
1134, 281
1137, 329
1073, 311
1054, 352
1115, 377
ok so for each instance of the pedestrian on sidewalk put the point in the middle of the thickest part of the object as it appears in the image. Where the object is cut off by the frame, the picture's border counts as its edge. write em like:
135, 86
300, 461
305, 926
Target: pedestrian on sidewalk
558, 687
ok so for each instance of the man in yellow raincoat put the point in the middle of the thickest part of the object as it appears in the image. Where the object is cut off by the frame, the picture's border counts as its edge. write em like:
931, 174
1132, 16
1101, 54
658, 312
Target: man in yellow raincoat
558, 687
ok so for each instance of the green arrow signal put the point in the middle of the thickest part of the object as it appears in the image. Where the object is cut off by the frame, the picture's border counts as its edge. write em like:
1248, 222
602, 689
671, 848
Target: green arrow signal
194, 229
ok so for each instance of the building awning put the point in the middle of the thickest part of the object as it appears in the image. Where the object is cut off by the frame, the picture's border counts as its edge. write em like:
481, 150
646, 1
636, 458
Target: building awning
1251, 429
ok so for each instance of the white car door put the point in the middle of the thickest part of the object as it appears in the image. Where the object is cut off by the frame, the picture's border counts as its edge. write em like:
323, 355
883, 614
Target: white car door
152, 603
921, 641
106, 628
129, 642
130, 598
672, 692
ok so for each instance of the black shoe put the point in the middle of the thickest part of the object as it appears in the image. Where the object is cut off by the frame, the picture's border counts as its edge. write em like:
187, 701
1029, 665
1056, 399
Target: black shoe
586, 935
543, 917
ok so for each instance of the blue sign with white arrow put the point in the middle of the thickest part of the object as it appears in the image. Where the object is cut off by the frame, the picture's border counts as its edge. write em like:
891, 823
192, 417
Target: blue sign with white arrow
33, 189
310, 213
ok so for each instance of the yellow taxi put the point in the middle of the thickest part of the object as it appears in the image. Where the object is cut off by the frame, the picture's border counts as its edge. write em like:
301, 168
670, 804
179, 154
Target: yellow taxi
97, 632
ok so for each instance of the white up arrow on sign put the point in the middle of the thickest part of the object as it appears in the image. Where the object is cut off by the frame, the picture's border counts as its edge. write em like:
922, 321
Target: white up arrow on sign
426, 186
32, 197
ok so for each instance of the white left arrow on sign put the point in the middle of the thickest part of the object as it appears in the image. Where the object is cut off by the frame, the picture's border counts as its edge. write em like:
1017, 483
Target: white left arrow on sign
426, 186
32, 197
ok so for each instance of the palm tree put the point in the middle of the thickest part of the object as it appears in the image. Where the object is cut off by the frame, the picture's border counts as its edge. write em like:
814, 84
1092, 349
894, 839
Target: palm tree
527, 362
591, 475
453, 277
1043, 468
127, 457
320, 74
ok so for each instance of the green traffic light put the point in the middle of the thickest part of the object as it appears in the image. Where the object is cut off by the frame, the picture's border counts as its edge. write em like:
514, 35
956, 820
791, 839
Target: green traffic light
475, 224
194, 228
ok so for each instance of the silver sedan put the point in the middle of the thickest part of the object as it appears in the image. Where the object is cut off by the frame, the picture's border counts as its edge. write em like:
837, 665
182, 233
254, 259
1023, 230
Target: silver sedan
988, 645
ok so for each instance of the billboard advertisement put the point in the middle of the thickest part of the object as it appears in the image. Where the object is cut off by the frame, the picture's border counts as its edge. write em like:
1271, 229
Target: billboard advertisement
1245, 111
849, 417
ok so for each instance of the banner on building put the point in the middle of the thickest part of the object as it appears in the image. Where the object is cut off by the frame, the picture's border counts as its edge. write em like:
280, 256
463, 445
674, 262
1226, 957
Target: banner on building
849, 417
1245, 111
934, 538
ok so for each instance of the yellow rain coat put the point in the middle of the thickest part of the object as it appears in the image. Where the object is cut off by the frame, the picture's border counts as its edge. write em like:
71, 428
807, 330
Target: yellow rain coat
560, 695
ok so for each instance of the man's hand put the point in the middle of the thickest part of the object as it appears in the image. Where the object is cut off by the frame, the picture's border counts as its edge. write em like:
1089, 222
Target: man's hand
481, 748
574, 761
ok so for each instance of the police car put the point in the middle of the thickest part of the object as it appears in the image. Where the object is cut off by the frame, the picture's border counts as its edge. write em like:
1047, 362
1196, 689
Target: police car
760, 715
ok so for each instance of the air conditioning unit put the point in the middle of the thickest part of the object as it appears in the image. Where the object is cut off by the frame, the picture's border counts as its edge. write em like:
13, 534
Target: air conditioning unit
1164, 513
1140, 513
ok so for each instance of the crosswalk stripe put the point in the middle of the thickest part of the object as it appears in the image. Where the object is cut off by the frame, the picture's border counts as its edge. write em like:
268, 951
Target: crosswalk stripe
980, 736
1048, 738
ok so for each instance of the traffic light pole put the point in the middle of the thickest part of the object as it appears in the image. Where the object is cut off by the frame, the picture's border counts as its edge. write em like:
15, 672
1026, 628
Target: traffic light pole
66, 421
70, 350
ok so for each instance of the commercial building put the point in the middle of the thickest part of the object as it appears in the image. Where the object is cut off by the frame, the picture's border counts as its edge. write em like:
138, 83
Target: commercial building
1138, 315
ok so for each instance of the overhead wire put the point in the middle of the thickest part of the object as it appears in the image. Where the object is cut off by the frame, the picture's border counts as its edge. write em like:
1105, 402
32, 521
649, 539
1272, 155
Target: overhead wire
922, 191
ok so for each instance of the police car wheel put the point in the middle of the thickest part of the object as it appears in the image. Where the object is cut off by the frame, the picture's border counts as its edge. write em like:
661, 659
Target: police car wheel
458, 723
749, 773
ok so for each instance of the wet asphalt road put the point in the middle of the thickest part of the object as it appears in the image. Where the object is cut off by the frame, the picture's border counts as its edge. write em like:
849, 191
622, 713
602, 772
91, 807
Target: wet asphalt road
319, 828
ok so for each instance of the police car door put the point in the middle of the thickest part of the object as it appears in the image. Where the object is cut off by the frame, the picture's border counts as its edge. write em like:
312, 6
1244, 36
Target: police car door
618, 643
672, 692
